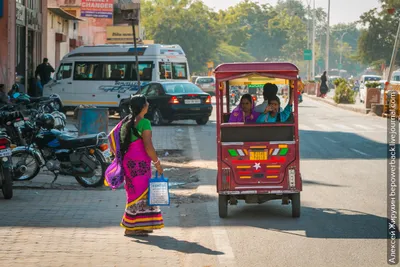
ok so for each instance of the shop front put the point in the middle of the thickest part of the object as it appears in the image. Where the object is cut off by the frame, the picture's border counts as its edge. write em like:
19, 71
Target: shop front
28, 44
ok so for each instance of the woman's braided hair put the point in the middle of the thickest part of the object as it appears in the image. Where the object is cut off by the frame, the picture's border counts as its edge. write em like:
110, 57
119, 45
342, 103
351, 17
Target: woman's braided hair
136, 105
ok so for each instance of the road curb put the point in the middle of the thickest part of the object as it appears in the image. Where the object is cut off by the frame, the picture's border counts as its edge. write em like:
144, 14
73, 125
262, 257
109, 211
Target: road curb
342, 106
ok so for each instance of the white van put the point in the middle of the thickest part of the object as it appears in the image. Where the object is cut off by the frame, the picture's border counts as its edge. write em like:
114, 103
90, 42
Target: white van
102, 75
366, 79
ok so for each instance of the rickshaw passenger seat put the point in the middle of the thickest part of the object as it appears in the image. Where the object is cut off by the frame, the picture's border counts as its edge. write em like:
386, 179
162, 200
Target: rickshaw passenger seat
226, 117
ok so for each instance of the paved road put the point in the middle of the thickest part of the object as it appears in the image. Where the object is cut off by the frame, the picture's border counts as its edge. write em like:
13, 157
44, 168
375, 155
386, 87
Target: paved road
342, 223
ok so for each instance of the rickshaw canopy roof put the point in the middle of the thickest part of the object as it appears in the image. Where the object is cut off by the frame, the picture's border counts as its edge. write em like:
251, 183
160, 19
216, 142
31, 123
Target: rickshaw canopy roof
282, 70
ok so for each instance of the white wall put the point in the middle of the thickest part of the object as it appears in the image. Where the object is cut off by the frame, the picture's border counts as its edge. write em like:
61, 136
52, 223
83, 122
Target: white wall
51, 37
56, 24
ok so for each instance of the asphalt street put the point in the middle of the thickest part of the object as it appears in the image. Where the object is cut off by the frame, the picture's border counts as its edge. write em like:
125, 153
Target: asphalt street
343, 220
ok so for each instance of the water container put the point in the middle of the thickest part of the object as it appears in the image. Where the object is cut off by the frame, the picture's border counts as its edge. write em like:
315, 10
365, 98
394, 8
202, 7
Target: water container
92, 121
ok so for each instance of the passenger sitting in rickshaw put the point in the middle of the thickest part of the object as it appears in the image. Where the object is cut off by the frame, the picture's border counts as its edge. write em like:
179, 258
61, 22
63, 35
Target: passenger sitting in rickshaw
271, 113
269, 90
244, 112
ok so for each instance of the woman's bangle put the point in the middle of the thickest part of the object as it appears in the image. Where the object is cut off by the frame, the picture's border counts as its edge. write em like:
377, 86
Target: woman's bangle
155, 163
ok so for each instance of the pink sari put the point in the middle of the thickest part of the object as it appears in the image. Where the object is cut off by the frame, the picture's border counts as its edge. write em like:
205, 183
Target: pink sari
137, 168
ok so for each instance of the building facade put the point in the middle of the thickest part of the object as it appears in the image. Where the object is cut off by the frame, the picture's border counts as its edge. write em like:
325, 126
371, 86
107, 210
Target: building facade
22, 39
62, 34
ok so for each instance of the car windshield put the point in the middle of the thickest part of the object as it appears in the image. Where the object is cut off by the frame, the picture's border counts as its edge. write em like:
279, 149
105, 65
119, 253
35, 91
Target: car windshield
181, 88
205, 80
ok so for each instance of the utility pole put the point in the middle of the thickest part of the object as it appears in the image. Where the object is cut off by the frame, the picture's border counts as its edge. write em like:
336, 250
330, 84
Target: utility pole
327, 39
394, 54
308, 42
313, 44
341, 49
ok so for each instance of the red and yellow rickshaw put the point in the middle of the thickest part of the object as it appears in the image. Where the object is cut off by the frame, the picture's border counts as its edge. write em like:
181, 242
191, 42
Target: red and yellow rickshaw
257, 162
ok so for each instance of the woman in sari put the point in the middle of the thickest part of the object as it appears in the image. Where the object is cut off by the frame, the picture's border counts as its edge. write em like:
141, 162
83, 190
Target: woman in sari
138, 155
244, 112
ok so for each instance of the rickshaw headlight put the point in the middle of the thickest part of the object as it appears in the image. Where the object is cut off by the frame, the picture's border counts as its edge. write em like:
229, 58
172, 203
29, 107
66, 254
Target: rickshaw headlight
292, 177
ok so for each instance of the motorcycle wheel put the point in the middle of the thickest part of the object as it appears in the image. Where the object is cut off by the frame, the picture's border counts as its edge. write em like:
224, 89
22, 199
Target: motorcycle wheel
18, 176
7, 187
90, 182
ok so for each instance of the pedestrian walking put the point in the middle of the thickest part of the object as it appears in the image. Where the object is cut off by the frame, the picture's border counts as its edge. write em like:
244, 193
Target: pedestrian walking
324, 87
135, 153
44, 71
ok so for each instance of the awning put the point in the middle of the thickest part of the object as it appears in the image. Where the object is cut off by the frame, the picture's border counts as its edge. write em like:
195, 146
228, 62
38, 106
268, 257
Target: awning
65, 15
256, 80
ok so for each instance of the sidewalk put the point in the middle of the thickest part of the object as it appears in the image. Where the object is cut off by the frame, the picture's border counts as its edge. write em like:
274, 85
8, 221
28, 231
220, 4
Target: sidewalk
171, 143
357, 107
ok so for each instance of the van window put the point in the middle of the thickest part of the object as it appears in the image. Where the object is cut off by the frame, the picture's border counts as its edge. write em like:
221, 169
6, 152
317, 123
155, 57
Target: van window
115, 71
88, 71
145, 71
177, 71
65, 71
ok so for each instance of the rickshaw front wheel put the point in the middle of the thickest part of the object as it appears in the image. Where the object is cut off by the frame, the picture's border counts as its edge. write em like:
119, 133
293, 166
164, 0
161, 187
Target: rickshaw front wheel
296, 205
223, 206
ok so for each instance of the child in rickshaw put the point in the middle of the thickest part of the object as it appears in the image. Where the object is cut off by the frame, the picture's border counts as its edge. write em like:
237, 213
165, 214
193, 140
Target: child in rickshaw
272, 114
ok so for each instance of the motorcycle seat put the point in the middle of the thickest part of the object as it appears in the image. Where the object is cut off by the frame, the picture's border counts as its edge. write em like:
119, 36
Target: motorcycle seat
80, 141
38, 99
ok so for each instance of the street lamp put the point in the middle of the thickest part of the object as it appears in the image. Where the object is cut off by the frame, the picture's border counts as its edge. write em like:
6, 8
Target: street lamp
341, 49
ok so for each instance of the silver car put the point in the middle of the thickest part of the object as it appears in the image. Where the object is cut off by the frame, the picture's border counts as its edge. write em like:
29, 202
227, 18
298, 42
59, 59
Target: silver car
207, 84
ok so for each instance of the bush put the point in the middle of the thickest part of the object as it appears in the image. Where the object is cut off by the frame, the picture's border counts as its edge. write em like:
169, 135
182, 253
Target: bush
372, 85
343, 92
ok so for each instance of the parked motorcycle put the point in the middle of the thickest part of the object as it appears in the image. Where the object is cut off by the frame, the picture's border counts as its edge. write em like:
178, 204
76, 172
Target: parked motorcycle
6, 180
85, 157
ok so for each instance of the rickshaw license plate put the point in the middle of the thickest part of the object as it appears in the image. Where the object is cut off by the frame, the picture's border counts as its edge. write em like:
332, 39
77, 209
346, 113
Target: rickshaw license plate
258, 155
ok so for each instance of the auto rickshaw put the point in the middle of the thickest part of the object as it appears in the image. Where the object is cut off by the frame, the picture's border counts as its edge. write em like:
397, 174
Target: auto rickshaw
257, 162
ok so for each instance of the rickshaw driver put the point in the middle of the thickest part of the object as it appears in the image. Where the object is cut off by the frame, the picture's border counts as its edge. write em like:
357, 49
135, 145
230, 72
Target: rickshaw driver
269, 90
271, 113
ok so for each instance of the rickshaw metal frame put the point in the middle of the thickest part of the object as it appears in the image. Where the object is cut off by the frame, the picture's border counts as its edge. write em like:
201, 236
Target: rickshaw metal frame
230, 71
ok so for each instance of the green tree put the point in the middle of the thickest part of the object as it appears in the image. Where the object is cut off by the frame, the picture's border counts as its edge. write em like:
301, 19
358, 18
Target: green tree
184, 22
377, 38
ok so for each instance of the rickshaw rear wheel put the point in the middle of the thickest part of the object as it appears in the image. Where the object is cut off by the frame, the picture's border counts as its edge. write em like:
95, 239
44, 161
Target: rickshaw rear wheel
296, 205
223, 206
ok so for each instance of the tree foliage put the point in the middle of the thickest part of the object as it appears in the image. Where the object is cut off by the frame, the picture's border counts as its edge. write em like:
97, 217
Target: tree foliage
245, 32
377, 38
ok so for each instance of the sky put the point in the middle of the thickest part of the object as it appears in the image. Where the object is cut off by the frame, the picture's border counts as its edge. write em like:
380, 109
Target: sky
342, 11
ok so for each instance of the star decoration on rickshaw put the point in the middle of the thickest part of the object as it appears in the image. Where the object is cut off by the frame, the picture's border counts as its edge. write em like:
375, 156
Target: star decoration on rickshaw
257, 166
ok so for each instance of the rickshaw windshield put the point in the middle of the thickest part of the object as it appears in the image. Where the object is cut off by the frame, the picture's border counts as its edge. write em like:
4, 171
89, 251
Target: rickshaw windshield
257, 99
257, 102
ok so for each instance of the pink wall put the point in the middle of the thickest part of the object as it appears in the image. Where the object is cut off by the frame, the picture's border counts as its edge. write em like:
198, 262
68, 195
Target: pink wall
3, 44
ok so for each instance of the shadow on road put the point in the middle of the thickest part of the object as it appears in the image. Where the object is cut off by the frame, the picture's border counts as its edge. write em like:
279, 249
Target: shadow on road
308, 182
170, 243
315, 222
340, 145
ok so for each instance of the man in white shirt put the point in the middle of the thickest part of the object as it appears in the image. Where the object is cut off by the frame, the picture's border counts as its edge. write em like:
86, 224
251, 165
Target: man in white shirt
269, 90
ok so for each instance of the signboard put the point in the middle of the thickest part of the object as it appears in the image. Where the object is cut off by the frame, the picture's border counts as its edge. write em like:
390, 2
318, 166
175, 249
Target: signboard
97, 8
121, 34
125, 11
259, 86
307, 54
